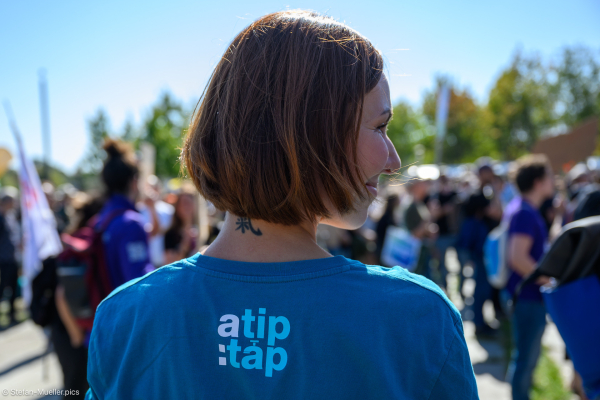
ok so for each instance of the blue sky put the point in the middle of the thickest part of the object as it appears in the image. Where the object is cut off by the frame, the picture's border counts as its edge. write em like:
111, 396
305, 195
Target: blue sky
121, 55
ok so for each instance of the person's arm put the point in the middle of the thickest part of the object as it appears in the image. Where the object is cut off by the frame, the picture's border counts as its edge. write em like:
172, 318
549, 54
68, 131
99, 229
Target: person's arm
76, 333
519, 248
156, 229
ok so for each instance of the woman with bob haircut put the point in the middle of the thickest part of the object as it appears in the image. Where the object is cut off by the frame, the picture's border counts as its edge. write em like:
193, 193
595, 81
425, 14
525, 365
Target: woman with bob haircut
289, 133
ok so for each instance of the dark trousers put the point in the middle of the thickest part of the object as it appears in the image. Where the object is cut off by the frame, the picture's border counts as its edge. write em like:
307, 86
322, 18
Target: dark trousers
9, 272
72, 360
483, 290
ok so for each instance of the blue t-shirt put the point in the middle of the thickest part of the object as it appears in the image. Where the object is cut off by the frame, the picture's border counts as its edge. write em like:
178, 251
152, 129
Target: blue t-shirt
330, 328
125, 241
526, 220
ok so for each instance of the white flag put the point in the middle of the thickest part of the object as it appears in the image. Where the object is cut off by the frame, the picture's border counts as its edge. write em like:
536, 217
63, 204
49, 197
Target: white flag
40, 237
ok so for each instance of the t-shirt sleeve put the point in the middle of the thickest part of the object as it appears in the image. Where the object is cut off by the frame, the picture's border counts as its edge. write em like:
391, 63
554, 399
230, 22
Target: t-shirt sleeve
96, 390
133, 251
523, 222
90, 395
456, 379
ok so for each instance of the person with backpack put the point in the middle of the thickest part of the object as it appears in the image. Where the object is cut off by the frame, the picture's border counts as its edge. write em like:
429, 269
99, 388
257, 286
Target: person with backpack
527, 242
290, 133
109, 248
69, 333
124, 237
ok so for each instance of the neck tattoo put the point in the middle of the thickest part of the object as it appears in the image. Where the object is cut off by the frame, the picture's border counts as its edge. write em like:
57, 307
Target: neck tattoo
245, 224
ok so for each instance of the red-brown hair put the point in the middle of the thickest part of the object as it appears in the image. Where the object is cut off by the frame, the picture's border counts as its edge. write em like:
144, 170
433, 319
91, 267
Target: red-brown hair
280, 117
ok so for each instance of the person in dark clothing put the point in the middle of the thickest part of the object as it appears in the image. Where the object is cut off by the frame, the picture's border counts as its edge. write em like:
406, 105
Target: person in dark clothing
489, 190
548, 212
444, 204
125, 239
73, 360
417, 219
386, 220
527, 242
67, 337
470, 243
9, 269
588, 207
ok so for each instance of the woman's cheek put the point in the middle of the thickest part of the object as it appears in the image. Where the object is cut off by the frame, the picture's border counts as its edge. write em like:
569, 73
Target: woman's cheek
374, 152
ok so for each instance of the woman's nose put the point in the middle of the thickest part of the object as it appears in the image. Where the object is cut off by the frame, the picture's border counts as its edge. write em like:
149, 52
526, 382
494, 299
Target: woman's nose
393, 163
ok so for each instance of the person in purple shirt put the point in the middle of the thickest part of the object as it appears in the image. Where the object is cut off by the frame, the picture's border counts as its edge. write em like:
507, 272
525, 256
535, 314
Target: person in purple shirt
527, 239
125, 240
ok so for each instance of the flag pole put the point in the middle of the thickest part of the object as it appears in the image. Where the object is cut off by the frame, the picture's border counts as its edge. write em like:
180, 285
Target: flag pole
45, 121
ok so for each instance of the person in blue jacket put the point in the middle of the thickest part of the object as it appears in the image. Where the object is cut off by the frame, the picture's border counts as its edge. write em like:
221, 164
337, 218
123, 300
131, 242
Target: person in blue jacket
290, 133
124, 238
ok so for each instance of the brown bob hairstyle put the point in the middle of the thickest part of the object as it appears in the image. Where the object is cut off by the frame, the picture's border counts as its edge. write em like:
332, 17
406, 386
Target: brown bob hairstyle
277, 125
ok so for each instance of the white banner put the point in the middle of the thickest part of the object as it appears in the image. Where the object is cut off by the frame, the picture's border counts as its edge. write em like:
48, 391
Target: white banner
40, 237
400, 248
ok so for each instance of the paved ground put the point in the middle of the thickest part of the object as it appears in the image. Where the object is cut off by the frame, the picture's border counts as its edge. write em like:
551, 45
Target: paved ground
26, 365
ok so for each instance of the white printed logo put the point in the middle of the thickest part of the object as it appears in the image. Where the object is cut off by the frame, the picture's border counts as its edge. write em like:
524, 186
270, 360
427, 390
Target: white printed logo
278, 329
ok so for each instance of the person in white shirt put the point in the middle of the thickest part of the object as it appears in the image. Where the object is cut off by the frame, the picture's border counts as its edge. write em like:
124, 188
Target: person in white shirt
158, 216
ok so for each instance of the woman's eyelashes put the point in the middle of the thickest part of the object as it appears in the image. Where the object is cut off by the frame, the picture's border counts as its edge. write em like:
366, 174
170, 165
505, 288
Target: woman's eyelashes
381, 128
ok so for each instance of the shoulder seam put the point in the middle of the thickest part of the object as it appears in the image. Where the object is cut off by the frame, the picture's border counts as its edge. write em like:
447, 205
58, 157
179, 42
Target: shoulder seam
101, 378
126, 285
456, 318
444, 365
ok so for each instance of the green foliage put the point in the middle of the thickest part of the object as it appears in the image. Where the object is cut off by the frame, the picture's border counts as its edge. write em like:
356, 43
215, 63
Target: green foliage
98, 127
520, 107
10, 178
577, 85
409, 132
164, 130
547, 381
56, 176
529, 99
466, 135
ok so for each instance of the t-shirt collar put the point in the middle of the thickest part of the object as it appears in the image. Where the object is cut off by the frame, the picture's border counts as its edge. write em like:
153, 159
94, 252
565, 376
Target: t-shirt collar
269, 268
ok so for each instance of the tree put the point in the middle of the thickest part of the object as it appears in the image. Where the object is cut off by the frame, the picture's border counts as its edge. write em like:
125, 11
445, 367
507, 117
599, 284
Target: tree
409, 132
164, 129
99, 130
466, 136
520, 106
577, 85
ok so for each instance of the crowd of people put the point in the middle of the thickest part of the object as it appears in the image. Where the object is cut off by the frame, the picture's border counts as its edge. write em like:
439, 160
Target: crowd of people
142, 226
279, 159
531, 203
145, 229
